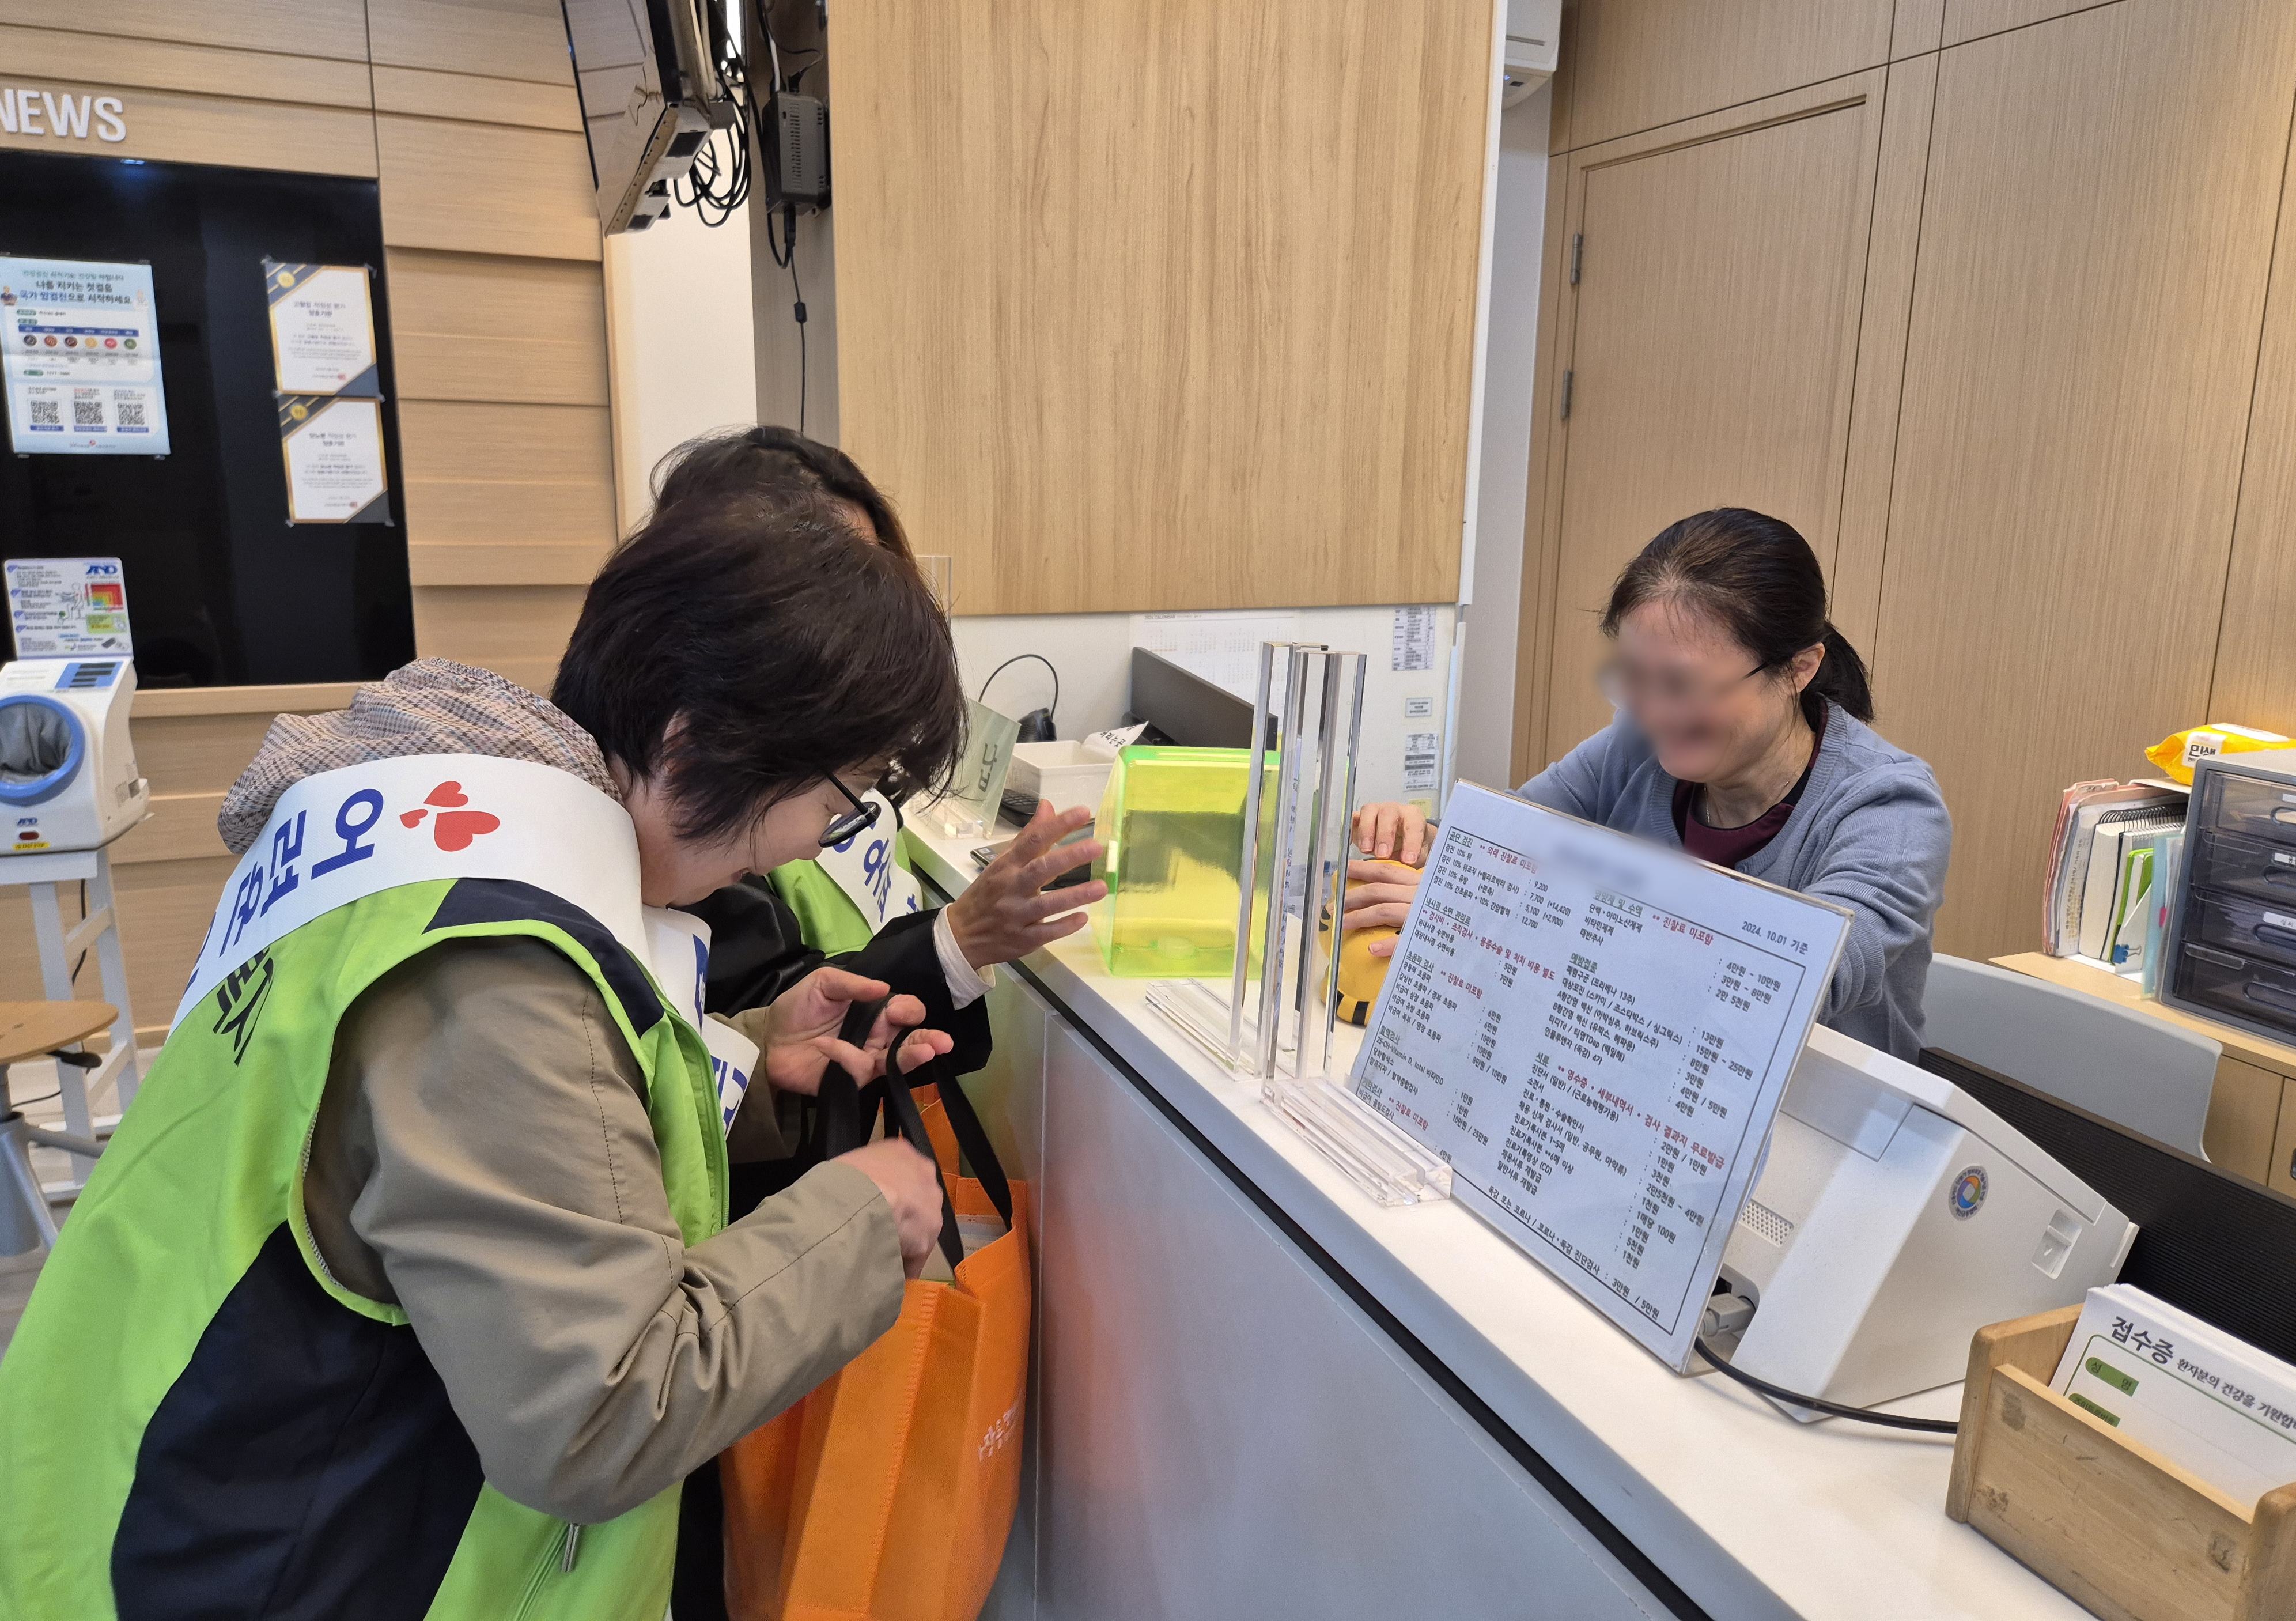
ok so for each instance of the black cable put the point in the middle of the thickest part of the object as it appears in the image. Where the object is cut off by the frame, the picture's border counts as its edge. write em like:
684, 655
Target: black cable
82, 963
796, 308
1887, 1420
1052, 709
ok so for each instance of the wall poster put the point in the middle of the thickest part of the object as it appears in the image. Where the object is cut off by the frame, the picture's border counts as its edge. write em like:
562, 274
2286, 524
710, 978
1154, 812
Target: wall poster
82, 358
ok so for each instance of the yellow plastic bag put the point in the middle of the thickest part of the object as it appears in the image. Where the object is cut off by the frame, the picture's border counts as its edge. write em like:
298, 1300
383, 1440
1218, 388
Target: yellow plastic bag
2176, 753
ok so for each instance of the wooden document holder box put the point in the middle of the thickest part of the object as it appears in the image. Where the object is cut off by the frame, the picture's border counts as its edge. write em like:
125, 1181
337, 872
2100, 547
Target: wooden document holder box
2110, 1522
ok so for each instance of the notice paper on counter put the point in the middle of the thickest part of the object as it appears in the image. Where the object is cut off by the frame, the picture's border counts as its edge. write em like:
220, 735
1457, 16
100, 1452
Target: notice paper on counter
1594, 1032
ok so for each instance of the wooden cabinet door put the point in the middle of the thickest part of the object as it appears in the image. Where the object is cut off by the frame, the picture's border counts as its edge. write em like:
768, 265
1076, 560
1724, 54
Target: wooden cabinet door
2096, 233
1711, 344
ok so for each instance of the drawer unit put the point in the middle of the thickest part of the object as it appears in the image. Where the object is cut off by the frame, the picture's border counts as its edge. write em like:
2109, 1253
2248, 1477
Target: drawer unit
2244, 926
2246, 988
2253, 807
2254, 867
2231, 941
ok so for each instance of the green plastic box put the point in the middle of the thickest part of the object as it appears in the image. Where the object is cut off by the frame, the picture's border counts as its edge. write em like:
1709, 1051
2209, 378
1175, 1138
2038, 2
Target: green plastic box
1171, 820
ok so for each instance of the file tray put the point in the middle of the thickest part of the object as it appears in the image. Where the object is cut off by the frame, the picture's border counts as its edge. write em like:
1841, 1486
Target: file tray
2109, 1522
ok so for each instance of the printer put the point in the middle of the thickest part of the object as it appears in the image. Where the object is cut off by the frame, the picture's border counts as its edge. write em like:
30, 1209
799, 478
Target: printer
67, 777
1892, 1216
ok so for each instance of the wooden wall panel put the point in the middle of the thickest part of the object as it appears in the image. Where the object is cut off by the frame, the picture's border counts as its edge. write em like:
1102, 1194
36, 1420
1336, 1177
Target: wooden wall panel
164, 910
493, 512
2255, 678
50, 54
513, 38
1917, 25
302, 27
2101, 198
477, 100
1968, 19
1637, 64
1892, 253
467, 327
485, 188
1164, 307
440, 440
517, 631
221, 129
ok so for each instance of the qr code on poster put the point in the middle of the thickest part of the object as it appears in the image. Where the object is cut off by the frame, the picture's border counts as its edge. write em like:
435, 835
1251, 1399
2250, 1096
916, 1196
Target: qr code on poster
131, 414
47, 413
87, 413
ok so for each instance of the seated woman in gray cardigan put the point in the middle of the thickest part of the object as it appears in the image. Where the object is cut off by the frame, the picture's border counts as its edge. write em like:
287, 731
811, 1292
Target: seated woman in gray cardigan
1740, 735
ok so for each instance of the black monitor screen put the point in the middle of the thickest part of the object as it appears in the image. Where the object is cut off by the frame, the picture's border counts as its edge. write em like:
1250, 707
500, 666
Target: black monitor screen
222, 590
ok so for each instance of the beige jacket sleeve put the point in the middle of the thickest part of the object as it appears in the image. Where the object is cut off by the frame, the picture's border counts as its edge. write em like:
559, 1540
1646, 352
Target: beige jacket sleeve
482, 1158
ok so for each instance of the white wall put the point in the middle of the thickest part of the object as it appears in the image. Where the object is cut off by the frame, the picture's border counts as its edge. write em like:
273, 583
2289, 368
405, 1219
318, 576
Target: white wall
1487, 675
785, 355
1093, 654
678, 332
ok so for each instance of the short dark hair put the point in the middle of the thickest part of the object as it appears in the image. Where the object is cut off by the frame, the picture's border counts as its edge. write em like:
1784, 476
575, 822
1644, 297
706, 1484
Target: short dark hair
1757, 576
789, 649
773, 464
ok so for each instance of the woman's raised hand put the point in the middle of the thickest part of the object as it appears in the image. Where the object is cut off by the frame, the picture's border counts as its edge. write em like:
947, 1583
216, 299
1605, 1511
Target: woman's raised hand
1387, 831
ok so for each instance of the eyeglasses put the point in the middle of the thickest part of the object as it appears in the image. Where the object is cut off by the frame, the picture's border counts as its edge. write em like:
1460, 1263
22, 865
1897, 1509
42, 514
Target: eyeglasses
1672, 689
853, 823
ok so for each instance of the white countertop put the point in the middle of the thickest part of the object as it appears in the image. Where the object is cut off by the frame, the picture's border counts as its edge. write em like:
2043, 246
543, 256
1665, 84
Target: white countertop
1751, 1513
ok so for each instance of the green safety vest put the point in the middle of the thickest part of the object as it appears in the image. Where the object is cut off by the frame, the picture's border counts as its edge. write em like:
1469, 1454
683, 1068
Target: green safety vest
194, 1416
826, 917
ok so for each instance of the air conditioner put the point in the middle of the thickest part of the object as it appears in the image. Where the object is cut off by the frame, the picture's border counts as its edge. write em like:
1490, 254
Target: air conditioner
1533, 29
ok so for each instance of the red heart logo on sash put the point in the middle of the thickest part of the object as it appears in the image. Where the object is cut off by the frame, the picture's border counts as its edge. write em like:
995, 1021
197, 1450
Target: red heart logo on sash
455, 829
412, 818
448, 794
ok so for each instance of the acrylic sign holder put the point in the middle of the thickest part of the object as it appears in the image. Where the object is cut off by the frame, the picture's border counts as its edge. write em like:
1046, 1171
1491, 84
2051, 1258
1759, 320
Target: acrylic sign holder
967, 809
1291, 866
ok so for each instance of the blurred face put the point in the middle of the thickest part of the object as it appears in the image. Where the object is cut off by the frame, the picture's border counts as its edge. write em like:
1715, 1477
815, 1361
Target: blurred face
1696, 694
674, 870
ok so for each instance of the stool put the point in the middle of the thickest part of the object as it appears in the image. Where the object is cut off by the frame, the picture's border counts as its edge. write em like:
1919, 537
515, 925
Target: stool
34, 1030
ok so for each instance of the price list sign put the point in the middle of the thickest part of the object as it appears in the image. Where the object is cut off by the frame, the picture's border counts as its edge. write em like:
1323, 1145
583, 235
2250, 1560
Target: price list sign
1595, 1033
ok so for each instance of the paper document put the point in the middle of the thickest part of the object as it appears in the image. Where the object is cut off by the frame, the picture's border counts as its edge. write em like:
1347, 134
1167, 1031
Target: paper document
1595, 1031
2202, 1398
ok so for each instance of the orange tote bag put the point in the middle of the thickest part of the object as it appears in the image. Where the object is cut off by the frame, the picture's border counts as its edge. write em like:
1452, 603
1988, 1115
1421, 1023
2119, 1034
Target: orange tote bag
887, 1493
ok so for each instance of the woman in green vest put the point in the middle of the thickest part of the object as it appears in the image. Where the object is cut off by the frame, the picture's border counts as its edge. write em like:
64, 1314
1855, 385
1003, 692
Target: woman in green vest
407, 1287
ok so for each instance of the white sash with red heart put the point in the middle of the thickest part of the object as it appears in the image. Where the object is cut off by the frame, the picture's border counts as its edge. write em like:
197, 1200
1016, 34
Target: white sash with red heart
342, 836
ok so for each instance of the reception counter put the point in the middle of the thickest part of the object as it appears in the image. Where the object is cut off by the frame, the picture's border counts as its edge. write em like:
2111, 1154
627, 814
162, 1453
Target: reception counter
1258, 1394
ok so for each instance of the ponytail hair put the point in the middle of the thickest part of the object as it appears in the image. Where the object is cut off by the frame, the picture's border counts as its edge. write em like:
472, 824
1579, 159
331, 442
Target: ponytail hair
1756, 578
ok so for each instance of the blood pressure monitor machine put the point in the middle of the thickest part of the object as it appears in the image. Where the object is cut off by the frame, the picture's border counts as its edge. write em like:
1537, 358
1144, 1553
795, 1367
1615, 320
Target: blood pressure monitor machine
67, 777
1892, 1217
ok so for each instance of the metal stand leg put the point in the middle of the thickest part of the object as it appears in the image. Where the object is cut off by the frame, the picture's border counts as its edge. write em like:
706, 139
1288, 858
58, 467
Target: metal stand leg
98, 932
120, 1067
18, 1136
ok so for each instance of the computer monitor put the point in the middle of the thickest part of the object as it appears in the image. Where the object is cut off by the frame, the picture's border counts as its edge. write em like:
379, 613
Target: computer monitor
1182, 707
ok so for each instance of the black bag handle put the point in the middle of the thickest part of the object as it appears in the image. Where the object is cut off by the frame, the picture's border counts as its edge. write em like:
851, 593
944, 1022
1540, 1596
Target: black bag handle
846, 1113
901, 1114
971, 1135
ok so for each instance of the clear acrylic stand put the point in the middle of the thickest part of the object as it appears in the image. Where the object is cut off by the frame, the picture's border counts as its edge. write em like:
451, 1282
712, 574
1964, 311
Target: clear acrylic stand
967, 808
1292, 867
